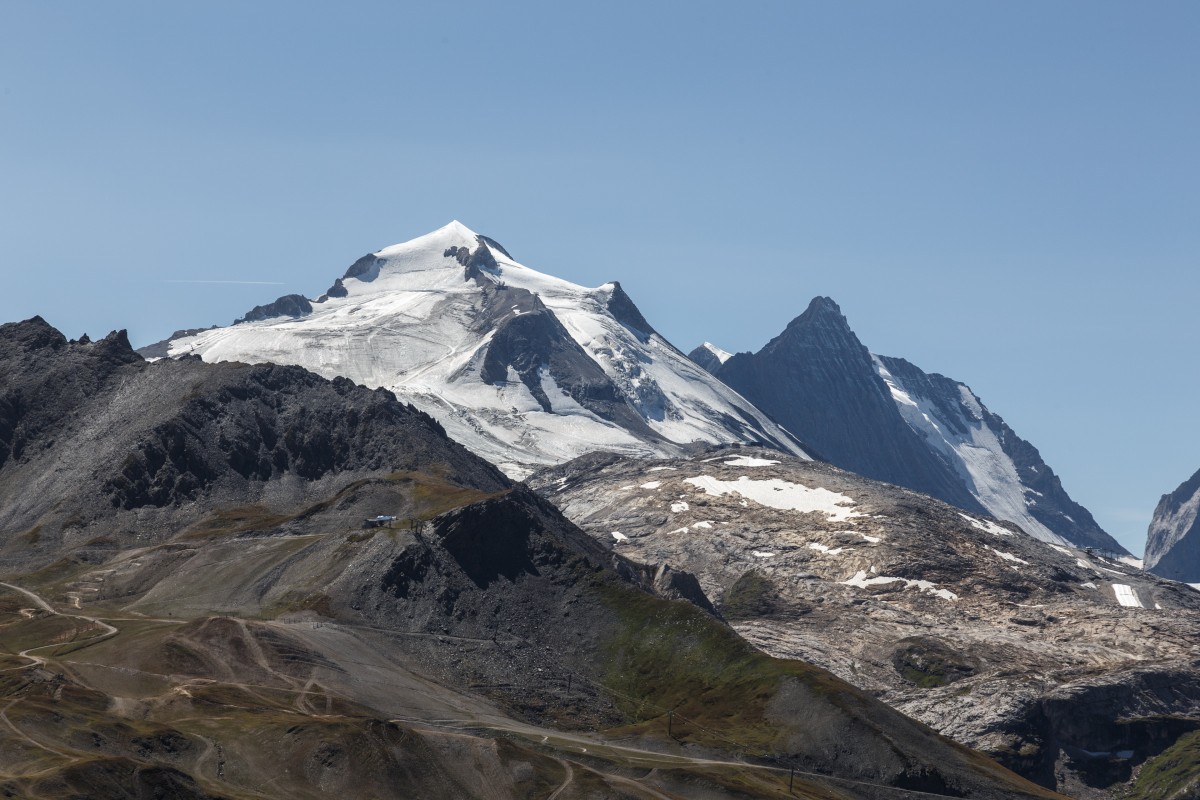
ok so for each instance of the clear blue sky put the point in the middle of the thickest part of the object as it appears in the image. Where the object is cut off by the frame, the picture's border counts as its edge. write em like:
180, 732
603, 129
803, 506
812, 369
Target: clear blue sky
1007, 193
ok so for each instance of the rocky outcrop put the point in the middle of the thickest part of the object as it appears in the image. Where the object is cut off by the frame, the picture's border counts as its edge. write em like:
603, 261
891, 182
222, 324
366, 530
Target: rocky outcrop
530, 340
364, 268
290, 305
710, 357
163, 348
1173, 540
622, 307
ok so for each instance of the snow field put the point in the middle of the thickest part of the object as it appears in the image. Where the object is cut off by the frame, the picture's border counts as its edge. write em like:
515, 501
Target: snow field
861, 581
1126, 595
780, 494
750, 461
987, 525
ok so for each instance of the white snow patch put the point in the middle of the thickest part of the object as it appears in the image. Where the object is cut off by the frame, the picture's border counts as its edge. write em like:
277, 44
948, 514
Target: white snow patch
722, 355
620, 537
704, 524
1195, 586
824, 548
684, 529
749, 461
1126, 595
1008, 556
661, 469
872, 539
1089, 585
987, 525
679, 508
651, 485
1136, 563
861, 580
783, 495
761, 554
1061, 549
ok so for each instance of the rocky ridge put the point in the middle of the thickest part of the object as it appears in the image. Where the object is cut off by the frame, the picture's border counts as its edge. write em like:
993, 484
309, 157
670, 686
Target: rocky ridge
1067, 666
1173, 539
886, 419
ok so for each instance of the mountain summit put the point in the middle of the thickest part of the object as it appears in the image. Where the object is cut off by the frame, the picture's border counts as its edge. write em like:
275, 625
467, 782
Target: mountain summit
886, 419
817, 377
522, 367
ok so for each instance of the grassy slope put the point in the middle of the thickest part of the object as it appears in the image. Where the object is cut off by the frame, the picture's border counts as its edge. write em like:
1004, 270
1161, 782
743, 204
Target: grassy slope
723, 693
1172, 775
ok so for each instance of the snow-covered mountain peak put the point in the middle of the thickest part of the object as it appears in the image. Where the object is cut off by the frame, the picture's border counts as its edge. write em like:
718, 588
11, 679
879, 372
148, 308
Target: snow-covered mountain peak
709, 356
521, 366
452, 234
718, 353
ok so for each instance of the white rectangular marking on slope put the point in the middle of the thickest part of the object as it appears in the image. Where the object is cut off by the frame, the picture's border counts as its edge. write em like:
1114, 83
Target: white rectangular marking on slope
1126, 596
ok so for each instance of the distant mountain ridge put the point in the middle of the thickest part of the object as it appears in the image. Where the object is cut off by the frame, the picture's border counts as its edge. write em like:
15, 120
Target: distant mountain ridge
1173, 539
521, 367
886, 419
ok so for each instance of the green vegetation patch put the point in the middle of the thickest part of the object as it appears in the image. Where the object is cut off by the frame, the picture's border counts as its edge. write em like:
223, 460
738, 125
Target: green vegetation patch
1174, 774
669, 655
297, 601
56, 572
928, 662
234, 521
44, 630
432, 494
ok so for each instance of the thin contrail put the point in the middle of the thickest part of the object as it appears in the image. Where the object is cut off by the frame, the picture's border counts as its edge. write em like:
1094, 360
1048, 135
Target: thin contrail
254, 283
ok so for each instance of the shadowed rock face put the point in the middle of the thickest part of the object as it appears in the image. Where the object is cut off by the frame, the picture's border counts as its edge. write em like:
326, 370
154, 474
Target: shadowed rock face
1037, 654
1037, 488
290, 305
706, 358
818, 380
1173, 540
621, 306
529, 339
886, 419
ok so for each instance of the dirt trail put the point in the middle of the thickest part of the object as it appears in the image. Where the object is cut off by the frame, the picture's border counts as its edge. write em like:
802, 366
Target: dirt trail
109, 630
